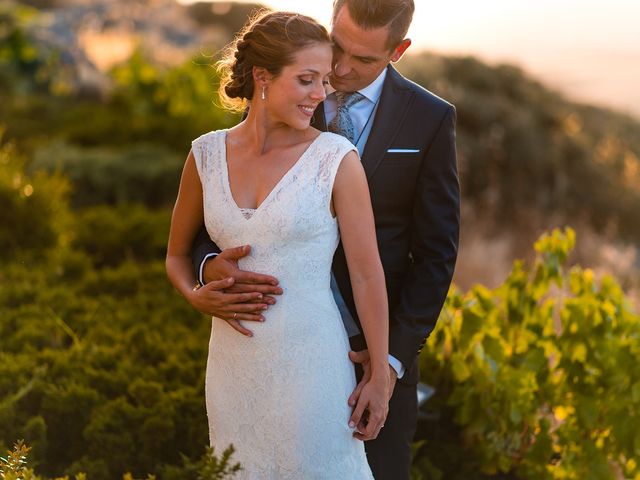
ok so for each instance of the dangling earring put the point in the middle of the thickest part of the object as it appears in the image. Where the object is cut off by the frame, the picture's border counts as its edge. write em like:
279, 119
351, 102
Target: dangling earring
263, 96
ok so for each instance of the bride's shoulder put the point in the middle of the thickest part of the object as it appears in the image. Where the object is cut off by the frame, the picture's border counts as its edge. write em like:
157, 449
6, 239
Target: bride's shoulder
338, 144
335, 139
208, 137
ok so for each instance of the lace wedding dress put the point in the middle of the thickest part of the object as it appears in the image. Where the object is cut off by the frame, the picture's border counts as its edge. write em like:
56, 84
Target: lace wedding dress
280, 397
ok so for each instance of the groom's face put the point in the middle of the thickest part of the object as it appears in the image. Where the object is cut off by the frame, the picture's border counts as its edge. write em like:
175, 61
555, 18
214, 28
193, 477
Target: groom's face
359, 55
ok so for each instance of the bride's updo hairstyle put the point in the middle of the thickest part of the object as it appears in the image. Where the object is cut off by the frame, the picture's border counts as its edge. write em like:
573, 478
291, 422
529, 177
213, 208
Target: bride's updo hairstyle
269, 40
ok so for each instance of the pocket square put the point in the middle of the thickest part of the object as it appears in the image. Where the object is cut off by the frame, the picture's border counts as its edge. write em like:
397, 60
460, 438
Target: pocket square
403, 150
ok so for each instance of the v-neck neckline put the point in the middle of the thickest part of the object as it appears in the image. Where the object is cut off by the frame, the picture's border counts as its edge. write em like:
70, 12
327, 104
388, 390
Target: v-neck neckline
273, 191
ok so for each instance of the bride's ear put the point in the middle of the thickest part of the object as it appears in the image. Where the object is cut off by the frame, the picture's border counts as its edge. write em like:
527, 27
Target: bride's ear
261, 76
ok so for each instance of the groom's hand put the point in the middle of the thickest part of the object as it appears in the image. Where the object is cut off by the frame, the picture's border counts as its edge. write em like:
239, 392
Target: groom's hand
225, 265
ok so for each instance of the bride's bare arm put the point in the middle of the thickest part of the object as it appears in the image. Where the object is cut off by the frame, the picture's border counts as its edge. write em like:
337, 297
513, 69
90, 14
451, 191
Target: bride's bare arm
352, 205
186, 221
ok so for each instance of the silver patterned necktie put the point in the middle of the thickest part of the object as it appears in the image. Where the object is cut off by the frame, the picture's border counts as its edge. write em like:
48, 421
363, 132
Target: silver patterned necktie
342, 123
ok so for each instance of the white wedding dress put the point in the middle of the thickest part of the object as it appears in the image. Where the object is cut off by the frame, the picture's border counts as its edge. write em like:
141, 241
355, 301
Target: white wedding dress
280, 397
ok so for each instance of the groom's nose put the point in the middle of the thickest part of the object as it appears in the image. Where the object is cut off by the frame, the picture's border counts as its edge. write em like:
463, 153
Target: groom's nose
341, 67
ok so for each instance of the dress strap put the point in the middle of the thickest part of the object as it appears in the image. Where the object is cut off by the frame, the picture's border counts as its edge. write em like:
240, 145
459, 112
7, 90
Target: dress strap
335, 149
204, 150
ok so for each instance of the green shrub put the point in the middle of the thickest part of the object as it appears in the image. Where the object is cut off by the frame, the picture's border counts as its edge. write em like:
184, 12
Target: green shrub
111, 236
34, 213
208, 467
538, 377
140, 173
104, 376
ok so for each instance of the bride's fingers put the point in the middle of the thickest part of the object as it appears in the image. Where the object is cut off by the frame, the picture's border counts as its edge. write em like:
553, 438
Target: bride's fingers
374, 424
358, 411
233, 298
353, 399
266, 299
365, 437
253, 308
371, 429
236, 325
245, 317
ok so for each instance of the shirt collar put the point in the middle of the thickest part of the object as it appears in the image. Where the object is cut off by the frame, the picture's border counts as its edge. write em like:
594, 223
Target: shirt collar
374, 89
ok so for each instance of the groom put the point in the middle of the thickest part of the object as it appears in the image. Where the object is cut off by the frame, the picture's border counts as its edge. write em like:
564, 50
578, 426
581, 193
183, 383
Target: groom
406, 139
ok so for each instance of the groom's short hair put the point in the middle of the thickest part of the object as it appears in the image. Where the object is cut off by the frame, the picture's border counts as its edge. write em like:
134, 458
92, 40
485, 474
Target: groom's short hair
394, 14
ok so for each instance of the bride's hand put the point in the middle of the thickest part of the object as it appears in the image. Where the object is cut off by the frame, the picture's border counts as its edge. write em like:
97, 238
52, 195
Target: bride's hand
225, 265
362, 357
372, 406
214, 299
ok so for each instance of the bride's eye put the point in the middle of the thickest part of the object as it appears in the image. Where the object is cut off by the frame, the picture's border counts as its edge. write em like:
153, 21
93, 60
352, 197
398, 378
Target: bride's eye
304, 81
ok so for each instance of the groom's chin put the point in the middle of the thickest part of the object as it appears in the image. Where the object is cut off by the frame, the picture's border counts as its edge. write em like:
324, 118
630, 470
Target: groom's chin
341, 85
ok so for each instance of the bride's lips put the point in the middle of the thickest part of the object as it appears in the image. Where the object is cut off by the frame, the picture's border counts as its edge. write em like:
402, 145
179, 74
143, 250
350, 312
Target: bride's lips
307, 109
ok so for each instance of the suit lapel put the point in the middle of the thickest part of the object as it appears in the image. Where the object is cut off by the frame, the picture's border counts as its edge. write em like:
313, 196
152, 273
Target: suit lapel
318, 120
394, 103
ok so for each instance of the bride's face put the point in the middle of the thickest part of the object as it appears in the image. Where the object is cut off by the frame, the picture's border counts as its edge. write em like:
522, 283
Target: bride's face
292, 96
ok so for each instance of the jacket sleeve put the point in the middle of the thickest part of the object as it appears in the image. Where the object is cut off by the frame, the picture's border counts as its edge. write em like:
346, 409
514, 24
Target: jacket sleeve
434, 245
202, 246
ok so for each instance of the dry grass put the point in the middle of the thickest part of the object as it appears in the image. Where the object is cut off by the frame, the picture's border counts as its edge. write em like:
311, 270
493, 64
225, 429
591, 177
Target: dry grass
488, 249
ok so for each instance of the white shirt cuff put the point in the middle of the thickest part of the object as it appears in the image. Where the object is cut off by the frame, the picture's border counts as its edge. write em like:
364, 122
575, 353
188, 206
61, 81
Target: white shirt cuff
201, 269
397, 366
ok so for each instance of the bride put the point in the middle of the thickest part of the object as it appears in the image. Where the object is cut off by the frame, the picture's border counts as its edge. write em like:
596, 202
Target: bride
291, 192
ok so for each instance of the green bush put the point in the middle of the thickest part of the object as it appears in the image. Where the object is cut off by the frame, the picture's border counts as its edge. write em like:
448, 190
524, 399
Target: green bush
538, 377
101, 362
126, 233
34, 215
208, 467
103, 375
147, 174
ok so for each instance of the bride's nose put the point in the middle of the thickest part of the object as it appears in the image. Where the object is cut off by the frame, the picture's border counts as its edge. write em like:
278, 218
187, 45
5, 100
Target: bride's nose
318, 93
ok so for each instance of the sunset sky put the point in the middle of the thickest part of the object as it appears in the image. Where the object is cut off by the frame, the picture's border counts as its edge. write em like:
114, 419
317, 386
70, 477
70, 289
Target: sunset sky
588, 49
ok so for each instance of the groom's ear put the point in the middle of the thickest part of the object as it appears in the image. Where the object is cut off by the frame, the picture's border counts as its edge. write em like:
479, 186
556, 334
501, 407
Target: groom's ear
400, 49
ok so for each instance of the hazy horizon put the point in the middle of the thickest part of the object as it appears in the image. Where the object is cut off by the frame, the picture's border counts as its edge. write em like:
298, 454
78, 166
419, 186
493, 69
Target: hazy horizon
587, 51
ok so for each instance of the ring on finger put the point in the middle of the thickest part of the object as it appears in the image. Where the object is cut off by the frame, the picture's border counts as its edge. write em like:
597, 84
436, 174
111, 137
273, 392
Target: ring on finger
235, 315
